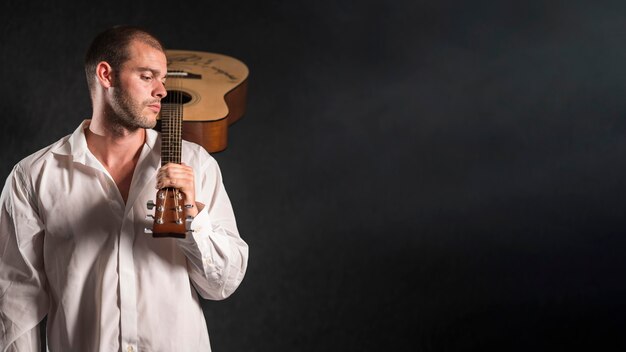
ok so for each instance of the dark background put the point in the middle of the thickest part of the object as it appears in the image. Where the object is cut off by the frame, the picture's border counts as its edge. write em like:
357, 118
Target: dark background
410, 175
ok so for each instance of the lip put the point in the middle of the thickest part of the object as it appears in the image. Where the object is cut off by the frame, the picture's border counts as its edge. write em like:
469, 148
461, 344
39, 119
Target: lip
155, 107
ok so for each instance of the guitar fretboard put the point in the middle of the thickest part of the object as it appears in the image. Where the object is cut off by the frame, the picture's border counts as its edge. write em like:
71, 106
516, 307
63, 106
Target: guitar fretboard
171, 132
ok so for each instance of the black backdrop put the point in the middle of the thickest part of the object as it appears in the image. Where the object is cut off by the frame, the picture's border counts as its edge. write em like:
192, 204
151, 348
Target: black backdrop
410, 175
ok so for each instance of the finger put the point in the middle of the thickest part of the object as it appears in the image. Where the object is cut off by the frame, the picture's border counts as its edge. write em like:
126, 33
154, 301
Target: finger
175, 172
184, 183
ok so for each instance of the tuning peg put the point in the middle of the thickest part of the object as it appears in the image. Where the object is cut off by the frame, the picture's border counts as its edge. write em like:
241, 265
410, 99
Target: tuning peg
188, 221
150, 205
147, 230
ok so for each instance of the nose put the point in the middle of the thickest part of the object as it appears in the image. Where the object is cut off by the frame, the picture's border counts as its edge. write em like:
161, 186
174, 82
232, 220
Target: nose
159, 90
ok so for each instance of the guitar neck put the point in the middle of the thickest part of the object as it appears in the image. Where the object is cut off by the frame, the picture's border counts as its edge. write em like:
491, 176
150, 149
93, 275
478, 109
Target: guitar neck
171, 132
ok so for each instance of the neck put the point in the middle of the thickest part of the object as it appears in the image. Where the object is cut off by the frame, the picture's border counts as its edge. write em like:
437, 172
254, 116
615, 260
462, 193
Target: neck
113, 145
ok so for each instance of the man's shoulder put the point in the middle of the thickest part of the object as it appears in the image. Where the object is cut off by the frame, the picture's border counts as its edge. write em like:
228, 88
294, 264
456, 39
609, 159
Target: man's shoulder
194, 151
38, 158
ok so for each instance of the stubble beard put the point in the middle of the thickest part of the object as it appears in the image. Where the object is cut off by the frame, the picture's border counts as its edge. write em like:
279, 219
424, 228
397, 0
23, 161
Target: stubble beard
127, 115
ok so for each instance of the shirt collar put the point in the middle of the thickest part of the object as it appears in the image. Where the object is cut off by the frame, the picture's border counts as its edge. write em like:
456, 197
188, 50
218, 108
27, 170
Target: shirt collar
76, 144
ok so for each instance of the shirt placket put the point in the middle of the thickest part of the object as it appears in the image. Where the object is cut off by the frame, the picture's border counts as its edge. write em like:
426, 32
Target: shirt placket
128, 285
126, 266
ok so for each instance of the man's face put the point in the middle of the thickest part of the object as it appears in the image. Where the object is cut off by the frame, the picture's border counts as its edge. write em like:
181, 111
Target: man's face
139, 87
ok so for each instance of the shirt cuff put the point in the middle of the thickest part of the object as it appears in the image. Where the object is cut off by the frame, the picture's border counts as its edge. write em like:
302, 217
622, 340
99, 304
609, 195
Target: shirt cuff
199, 229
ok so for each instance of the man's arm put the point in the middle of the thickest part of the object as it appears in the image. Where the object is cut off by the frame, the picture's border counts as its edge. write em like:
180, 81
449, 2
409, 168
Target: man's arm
23, 299
217, 257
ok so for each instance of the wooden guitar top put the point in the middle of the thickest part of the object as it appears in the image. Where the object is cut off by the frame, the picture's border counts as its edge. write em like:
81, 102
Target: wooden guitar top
210, 77
212, 89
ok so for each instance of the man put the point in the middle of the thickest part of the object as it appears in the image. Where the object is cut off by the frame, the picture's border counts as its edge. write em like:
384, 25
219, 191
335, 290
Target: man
72, 219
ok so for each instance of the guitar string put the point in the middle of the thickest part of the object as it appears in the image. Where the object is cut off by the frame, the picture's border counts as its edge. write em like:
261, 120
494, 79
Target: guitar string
165, 123
171, 133
179, 125
178, 142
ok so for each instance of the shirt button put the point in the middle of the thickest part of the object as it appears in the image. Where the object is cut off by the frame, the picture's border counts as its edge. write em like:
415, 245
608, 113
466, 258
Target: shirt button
130, 349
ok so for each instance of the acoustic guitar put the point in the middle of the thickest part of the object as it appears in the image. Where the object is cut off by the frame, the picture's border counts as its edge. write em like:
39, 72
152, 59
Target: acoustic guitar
206, 92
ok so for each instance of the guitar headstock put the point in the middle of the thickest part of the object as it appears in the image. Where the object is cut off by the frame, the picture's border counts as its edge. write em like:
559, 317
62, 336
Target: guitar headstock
170, 219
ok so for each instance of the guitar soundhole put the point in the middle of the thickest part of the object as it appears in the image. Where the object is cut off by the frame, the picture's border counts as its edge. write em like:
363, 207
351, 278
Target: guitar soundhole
176, 97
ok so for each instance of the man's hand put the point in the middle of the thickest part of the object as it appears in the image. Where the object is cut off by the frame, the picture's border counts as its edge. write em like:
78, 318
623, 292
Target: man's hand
180, 176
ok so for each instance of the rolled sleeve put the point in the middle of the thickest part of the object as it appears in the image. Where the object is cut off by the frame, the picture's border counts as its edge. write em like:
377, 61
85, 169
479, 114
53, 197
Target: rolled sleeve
217, 256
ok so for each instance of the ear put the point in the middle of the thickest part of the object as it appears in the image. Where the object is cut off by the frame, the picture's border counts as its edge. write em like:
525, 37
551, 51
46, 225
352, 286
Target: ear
104, 73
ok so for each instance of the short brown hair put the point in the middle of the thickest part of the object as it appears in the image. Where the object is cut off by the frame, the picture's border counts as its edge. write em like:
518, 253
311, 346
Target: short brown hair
111, 46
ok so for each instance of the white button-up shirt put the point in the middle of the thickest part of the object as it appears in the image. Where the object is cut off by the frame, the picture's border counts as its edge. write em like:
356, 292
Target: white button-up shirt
72, 249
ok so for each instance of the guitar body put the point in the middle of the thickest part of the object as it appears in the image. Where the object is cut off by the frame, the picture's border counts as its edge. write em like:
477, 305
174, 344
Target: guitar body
213, 90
